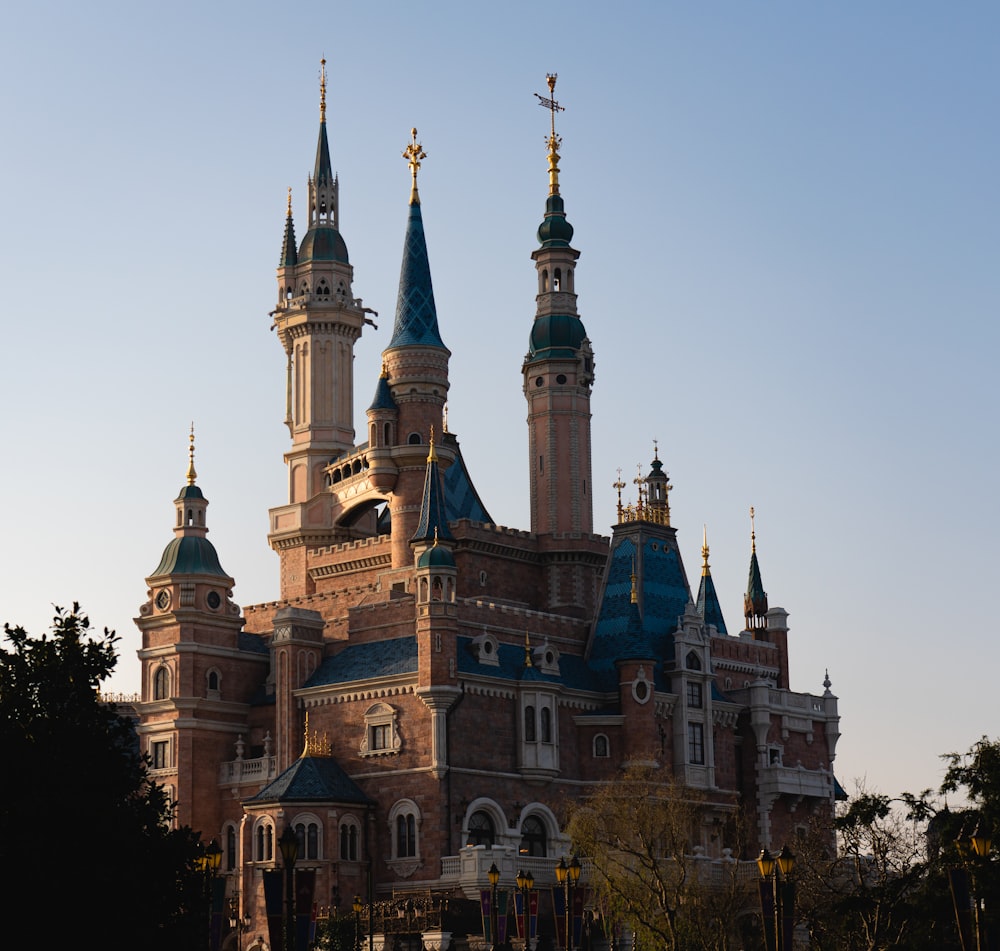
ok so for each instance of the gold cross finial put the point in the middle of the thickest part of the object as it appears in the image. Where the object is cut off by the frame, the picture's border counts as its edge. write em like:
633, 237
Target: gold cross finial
289, 211
704, 552
413, 154
554, 141
322, 90
191, 474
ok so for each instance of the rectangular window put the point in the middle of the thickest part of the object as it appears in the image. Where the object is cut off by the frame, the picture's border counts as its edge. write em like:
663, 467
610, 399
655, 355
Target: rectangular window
694, 694
158, 752
696, 744
380, 736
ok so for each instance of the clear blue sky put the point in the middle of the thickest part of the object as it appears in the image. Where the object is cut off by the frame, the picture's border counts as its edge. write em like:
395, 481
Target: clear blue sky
788, 216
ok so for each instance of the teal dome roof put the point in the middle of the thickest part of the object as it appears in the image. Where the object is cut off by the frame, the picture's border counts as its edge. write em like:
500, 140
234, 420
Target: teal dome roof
556, 335
436, 557
190, 555
555, 230
323, 244
191, 492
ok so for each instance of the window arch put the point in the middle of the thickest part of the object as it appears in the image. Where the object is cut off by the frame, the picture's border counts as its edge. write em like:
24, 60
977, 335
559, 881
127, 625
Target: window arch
161, 683
692, 661
264, 842
404, 827
533, 837
414, 439
481, 829
602, 748
350, 840
307, 834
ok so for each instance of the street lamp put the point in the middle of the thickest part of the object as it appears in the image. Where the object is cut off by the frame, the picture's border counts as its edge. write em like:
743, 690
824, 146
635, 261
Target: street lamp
568, 875
965, 892
288, 844
777, 897
237, 921
525, 880
357, 922
208, 863
493, 874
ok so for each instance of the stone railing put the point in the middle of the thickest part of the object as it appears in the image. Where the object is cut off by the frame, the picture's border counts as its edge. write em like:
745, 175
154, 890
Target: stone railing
240, 772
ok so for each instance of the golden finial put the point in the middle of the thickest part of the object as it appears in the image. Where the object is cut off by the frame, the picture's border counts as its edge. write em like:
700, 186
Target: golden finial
315, 743
656, 450
753, 534
635, 590
431, 454
191, 474
435, 536
527, 650
288, 211
413, 154
619, 485
322, 90
385, 370
704, 552
554, 141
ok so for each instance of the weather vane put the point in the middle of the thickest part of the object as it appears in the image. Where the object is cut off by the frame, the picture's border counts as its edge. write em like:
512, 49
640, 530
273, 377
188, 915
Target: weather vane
554, 141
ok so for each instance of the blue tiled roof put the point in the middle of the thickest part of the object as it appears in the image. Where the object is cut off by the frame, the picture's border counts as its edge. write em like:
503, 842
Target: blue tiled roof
416, 316
708, 604
573, 671
312, 779
251, 643
190, 555
373, 659
461, 499
433, 522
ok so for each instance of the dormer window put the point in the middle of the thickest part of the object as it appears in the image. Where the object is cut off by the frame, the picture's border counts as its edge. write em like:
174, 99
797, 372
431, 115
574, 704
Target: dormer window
486, 650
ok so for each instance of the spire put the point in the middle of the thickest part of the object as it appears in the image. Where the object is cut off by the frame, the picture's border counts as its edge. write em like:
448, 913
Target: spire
191, 474
433, 523
708, 601
289, 248
555, 230
755, 600
416, 316
554, 141
323, 170
383, 392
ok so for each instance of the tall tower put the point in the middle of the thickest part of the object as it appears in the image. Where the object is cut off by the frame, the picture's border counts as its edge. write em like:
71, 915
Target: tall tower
558, 373
317, 320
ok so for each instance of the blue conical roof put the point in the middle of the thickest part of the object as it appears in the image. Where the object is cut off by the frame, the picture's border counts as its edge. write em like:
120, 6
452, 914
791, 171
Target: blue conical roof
708, 604
416, 316
433, 524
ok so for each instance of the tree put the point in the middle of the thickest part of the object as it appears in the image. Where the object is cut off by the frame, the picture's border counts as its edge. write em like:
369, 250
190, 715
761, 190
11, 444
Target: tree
85, 837
637, 834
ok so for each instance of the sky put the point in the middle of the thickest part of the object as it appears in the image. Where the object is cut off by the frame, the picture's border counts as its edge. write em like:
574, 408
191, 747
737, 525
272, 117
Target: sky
789, 221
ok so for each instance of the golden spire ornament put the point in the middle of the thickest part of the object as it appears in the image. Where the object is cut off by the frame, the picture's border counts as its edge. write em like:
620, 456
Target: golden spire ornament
554, 141
191, 474
414, 153
704, 552
322, 90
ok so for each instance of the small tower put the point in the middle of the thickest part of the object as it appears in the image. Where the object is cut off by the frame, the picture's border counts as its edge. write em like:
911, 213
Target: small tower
416, 366
755, 600
558, 372
191, 660
318, 320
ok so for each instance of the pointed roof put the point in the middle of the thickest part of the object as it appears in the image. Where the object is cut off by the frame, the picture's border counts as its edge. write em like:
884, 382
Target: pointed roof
312, 779
708, 601
433, 523
323, 169
289, 249
383, 392
416, 315
755, 600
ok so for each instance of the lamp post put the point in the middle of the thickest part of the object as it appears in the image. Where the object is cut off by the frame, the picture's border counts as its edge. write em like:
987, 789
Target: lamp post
357, 922
568, 875
493, 874
238, 922
777, 897
965, 892
288, 844
208, 863
524, 882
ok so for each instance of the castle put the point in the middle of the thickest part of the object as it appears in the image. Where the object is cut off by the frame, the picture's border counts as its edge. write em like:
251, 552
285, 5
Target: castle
432, 690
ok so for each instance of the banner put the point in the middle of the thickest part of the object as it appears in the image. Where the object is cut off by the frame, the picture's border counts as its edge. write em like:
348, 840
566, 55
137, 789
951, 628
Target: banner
305, 886
274, 882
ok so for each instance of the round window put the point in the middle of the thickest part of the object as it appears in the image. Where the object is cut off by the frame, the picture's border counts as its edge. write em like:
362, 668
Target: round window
561, 379
213, 600
163, 600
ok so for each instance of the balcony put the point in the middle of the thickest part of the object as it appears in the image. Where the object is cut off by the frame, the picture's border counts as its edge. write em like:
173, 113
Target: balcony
248, 772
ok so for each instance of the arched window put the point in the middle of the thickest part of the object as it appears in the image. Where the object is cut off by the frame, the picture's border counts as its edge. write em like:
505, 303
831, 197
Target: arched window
414, 439
533, 837
307, 834
161, 683
529, 724
349, 841
264, 843
406, 836
213, 681
481, 831
545, 716
601, 748
693, 661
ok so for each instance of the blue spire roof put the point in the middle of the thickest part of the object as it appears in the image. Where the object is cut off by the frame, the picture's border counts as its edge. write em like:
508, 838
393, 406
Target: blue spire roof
383, 394
323, 171
708, 604
313, 779
433, 524
416, 315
